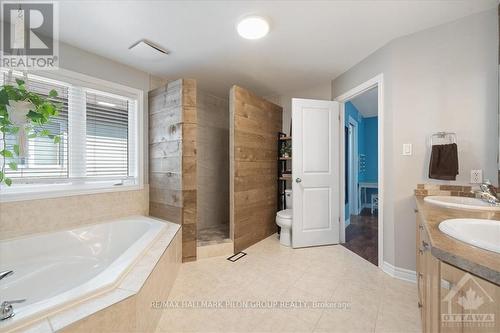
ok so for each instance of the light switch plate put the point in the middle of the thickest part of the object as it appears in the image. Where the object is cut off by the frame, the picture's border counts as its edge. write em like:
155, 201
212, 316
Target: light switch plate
407, 149
476, 176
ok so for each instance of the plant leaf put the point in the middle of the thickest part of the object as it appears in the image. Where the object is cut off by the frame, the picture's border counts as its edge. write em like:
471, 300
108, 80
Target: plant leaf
16, 149
4, 97
57, 139
13, 166
35, 116
19, 82
1, 176
53, 93
6, 153
8, 181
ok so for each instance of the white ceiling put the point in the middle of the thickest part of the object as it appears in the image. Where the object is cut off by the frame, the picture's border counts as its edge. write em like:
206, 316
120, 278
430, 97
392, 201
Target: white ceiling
367, 103
310, 42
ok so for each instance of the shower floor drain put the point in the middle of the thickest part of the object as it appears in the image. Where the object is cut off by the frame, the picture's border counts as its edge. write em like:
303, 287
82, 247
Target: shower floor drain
236, 256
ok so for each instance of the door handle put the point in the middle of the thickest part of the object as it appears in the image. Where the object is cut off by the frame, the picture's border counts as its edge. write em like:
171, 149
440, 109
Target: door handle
298, 180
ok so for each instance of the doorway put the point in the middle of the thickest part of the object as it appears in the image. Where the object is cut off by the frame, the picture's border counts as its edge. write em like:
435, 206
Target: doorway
361, 228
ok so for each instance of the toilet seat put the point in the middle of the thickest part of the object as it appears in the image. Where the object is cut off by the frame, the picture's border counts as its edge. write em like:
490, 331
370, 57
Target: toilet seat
285, 214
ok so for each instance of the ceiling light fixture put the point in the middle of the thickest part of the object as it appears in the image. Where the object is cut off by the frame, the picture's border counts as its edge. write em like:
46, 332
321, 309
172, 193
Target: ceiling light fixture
253, 27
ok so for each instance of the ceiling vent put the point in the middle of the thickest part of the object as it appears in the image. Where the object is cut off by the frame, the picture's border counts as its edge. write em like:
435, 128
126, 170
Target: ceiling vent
147, 50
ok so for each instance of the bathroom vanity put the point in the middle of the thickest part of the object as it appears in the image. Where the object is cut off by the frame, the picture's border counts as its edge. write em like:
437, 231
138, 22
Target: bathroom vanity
458, 284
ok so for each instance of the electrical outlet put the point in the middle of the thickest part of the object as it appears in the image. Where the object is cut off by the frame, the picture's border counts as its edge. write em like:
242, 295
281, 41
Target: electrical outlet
476, 176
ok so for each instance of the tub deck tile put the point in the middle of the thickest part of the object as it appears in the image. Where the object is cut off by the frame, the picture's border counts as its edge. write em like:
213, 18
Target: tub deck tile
69, 316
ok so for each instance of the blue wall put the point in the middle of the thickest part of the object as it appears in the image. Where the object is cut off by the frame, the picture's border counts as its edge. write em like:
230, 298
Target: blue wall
371, 148
371, 152
367, 145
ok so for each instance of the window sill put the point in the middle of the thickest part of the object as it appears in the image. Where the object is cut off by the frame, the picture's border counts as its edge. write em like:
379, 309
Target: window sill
62, 190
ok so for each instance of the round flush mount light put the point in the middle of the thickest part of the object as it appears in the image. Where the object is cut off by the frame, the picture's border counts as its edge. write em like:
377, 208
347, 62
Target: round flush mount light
253, 27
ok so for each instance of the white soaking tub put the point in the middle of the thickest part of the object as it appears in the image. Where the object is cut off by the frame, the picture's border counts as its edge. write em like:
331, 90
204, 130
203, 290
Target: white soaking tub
55, 270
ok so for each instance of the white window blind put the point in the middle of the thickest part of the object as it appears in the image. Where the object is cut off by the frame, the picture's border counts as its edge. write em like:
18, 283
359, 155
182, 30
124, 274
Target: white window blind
98, 133
43, 158
107, 136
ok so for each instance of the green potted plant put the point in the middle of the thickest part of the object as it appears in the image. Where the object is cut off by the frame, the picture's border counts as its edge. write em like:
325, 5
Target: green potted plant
23, 114
286, 150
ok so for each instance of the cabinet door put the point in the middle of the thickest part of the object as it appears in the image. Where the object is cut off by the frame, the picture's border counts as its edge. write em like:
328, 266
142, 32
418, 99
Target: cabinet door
450, 311
432, 285
468, 303
420, 269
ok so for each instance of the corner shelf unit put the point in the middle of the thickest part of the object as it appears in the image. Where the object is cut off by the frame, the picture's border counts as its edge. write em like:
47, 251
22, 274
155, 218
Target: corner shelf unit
284, 169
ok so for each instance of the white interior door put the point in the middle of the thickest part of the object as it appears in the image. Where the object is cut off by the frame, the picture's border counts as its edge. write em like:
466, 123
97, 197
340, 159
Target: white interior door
315, 170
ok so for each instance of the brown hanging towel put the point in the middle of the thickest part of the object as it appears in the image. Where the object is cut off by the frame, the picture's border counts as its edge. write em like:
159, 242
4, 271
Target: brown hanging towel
444, 162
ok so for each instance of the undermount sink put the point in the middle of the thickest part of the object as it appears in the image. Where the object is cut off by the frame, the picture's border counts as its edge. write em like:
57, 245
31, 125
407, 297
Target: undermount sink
461, 203
484, 234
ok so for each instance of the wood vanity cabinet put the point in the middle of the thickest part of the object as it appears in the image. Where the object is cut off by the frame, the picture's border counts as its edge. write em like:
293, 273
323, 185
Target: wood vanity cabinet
437, 280
427, 281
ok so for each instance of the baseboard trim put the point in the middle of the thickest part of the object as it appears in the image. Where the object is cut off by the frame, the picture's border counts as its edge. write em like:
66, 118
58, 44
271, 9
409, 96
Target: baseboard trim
399, 273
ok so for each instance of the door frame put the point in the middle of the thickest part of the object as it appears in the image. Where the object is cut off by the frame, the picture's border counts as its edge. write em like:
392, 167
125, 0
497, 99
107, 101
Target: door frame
377, 81
353, 167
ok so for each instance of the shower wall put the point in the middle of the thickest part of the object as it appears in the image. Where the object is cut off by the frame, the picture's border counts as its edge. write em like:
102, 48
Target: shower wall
172, 158
254, 127
212, 165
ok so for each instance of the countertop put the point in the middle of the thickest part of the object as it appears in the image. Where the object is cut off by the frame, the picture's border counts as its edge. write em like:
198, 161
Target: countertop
483, 263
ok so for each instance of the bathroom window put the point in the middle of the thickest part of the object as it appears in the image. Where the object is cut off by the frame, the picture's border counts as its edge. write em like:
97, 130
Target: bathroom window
99, 140
107, 135
43, 159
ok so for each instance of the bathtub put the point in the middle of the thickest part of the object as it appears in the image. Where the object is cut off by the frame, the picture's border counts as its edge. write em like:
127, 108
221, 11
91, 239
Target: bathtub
55, 270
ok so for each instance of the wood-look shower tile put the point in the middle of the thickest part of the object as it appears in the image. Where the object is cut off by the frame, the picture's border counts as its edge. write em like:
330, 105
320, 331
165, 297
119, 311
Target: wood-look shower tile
166, 212
189, 92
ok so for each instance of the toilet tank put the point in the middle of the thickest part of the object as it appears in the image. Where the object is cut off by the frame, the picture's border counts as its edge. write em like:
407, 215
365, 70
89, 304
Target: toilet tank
289, 199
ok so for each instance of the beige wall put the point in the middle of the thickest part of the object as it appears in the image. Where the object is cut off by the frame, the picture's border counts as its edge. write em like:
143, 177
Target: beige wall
440, 79
212, 160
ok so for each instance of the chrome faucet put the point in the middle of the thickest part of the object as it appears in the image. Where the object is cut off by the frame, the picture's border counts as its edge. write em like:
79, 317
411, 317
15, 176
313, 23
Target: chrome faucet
6, 308
488, 193
4, 274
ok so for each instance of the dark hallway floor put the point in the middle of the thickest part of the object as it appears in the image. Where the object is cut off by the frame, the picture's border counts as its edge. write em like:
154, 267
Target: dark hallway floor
362, 235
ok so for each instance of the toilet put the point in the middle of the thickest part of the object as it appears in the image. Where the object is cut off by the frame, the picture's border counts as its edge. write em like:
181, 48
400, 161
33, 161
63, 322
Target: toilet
284, 220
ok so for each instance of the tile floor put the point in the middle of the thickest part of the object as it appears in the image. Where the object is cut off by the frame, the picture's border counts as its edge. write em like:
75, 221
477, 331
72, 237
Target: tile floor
271, 272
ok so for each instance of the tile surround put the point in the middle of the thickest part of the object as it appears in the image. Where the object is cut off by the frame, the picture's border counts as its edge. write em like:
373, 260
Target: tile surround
212, 162
21, 218
128, 308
